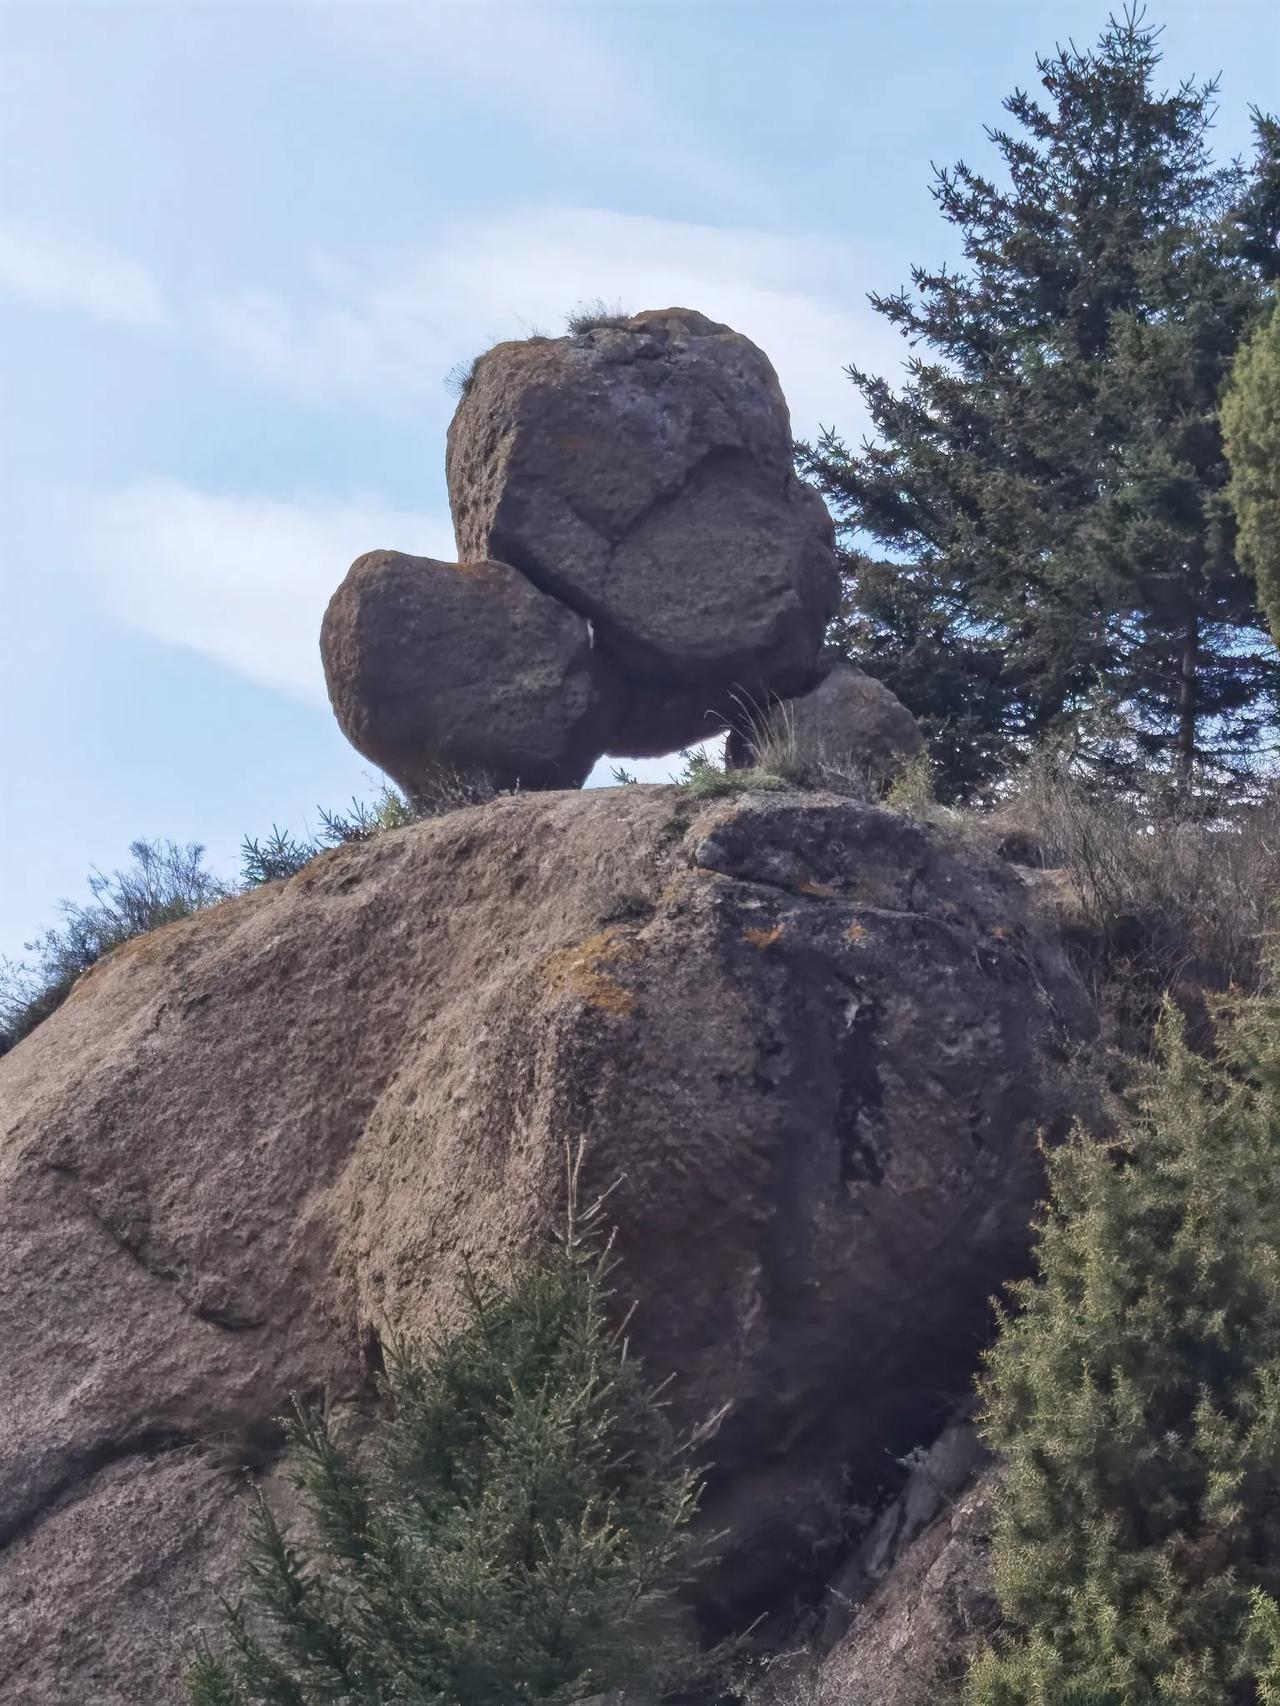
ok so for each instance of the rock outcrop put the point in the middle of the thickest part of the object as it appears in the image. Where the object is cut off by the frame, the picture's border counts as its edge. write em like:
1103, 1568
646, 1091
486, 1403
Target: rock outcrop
463, 666
850, 725
911, 1641
808, 1037
642, 471
639, 562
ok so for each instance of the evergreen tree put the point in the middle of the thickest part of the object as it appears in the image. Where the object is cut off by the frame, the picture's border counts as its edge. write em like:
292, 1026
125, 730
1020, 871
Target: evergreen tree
1251, 428
1135, 1401
515, 1531
1049, 480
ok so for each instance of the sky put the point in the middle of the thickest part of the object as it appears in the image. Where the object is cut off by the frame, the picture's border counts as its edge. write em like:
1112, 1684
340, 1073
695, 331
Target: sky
242, 246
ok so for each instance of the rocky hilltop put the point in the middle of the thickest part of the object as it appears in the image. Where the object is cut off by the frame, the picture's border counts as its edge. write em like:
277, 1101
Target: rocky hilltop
810, 1039
805, 1042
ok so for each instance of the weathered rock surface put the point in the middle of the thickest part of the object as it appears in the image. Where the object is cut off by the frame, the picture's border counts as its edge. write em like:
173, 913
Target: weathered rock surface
465, 666
642, 473
806, 1034
850, 723
930, 1614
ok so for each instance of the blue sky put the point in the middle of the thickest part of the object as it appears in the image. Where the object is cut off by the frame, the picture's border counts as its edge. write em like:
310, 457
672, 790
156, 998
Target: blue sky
242, 245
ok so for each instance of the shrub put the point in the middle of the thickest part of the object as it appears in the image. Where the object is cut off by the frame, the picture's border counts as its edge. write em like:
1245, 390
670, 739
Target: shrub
281, 855
1170, 897
513, 1531
1135, 1399
166, 881
706, 778
1251, 435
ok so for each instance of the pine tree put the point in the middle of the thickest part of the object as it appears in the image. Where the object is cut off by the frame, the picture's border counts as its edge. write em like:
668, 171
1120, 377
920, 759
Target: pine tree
1135, 1401
1251, 428
515, 1531
1049, 480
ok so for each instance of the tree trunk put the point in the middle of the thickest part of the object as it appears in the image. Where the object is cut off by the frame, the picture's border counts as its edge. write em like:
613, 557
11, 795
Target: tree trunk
1187, 703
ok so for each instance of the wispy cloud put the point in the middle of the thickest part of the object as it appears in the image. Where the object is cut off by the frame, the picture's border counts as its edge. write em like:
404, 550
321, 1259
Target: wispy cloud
243, 580
51, 273
545, 66
381, 331
532, 59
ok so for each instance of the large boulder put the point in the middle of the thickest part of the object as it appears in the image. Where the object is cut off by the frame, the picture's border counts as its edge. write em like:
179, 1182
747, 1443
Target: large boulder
849, 726
641, 471
806, 1036
463, 666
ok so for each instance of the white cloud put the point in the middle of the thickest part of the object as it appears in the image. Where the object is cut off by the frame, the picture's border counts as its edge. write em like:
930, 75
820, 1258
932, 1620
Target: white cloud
529, 58
543, 65
380, 332
242, 580
53, 274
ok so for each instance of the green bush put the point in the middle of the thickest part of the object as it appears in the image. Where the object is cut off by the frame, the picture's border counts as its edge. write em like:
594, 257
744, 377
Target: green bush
281, 855
706, 778
1251, 437
165, 882
513, 1531
1135, 1400
168, 881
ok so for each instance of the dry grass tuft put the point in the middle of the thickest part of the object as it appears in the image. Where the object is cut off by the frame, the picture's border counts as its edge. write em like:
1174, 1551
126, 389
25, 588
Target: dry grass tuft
595, 316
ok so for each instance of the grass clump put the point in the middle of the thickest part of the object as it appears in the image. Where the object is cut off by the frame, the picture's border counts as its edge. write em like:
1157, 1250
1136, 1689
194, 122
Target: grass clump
706, 778
460, 378
1134, 1397
513, 1531
595, 316
766, 739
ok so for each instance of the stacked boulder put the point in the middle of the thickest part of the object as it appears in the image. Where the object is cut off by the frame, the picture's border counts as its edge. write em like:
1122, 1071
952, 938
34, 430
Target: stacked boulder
639, 564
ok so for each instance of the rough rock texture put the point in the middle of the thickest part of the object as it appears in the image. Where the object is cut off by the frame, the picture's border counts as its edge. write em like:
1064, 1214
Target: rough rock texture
642, 472
465, 666
849, 722
931, 1612
805, 1033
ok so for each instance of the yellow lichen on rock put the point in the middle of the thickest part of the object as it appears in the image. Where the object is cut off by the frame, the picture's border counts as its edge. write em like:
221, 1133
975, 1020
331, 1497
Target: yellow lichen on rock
581, 970
760, 938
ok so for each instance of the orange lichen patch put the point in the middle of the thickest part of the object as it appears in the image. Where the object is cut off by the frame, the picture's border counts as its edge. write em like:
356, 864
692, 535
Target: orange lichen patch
1001, 932
856, 932
762, 938
820, 891
583, 971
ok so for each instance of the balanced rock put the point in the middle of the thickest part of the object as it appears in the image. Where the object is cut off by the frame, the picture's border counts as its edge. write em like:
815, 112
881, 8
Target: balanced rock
850, 724
463, 666
804, 1036
641, 471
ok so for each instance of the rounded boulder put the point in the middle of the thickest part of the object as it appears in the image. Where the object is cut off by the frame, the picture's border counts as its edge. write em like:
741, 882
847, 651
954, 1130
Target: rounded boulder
641, 471
463, 666
849, 723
